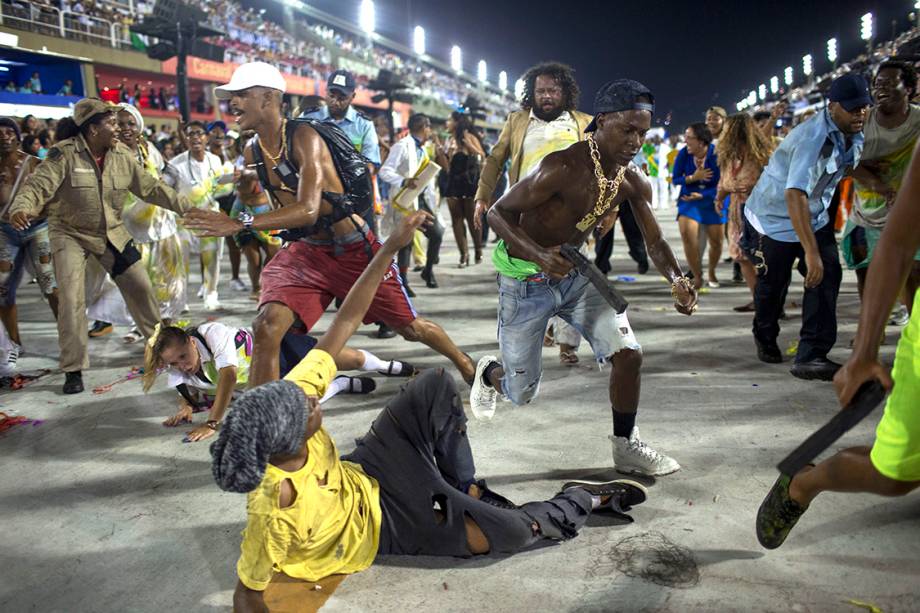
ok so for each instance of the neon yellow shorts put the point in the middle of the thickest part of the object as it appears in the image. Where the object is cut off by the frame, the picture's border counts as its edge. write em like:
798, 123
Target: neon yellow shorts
896, 452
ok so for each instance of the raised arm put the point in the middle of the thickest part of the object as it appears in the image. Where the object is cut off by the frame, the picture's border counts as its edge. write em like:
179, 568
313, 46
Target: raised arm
360, 296
528, 194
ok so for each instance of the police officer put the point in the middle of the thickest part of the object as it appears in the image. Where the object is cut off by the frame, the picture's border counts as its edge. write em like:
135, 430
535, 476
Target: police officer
84, 183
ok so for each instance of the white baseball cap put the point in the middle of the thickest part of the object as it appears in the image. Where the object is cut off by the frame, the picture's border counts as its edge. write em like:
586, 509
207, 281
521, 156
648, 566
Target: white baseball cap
251, 74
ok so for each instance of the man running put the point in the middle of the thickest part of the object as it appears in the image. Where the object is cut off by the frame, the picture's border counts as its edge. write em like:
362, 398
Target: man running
321, 187
574, 192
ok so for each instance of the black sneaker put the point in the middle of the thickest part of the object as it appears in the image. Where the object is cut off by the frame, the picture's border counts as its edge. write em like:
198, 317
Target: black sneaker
737, 277
100, 328
768, 352
622, 493
821, 369
492, 498
778, 514
642, 267
385, 331
73, 383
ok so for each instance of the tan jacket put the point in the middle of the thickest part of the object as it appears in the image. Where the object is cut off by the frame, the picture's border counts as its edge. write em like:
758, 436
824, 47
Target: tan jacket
511, 144
86, 203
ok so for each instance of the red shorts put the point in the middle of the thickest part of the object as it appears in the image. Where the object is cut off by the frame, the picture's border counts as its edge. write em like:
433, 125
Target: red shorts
306, 277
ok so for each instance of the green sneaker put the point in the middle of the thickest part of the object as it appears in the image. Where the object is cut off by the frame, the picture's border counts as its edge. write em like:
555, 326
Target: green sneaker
778, 514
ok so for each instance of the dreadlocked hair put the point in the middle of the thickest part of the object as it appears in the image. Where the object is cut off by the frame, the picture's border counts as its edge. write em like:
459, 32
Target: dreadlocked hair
741, 138
162, 337
563, 74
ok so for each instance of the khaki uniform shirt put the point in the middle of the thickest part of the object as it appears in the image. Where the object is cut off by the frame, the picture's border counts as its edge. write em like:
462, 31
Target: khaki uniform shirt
85, 202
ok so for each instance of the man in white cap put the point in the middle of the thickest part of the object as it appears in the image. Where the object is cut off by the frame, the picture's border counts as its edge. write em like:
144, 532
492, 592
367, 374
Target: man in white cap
321, 186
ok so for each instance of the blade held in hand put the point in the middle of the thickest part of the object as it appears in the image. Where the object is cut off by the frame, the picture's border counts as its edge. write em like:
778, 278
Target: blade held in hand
869, 396
598, 279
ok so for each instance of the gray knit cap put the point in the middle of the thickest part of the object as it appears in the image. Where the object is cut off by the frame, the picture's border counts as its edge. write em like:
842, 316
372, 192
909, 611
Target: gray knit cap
267, 420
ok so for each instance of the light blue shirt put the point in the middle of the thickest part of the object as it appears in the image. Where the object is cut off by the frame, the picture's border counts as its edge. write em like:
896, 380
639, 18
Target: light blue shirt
813, 158
357, 127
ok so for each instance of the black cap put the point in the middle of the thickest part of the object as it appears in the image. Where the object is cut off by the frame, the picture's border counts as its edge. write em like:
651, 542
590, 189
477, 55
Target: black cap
341, 80
851, 91
621, 95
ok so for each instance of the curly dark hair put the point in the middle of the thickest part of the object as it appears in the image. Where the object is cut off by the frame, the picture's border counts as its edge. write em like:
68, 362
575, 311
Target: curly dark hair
564, 76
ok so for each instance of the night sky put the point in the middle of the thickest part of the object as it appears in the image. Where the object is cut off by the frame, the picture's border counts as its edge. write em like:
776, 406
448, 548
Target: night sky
691, 54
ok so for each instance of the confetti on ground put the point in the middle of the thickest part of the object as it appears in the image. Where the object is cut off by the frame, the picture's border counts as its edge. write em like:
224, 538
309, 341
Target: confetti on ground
22, 379
135, 373
793, 348
863, 605
625, 278
9, 421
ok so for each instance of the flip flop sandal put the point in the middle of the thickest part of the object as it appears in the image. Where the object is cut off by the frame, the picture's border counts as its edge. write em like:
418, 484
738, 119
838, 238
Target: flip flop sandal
568, 357
359, 385
405, 370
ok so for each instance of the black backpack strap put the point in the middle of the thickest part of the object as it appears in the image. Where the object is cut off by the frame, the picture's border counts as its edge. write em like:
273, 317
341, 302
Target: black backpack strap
261, 169
193, 332
186, 393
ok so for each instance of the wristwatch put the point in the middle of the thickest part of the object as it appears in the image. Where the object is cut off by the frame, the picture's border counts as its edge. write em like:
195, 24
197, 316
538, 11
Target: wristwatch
245, 218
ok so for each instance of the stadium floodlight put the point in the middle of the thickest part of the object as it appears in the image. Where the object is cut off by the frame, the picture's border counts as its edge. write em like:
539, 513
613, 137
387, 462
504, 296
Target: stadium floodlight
787, 75
481, 71
807, 65
865, 27
366, 18
418, 40
519, 89
762, 92
752, 98
456, 59
740, 106
774, 85
503, 81
832, 50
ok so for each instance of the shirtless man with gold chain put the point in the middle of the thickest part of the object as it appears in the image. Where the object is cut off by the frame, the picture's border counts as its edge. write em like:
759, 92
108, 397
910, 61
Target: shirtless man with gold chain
574, 192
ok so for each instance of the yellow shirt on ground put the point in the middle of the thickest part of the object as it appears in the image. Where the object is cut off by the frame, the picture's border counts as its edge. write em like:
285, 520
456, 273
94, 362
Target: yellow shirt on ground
333, 525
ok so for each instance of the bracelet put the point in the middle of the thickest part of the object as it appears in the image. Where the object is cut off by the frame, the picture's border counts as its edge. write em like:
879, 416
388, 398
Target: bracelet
213, 424
682, 281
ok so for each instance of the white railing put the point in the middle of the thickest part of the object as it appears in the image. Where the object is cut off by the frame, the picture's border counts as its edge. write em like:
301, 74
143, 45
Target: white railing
44, 19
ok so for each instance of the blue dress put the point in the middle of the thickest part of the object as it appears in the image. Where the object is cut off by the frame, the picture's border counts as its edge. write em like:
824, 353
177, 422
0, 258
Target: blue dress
702, 211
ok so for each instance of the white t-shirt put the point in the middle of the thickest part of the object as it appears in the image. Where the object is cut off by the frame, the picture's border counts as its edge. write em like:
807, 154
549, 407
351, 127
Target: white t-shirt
221, 340
184, 173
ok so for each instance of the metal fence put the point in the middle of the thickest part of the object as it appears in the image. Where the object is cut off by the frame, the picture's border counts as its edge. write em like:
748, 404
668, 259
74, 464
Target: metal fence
45, 19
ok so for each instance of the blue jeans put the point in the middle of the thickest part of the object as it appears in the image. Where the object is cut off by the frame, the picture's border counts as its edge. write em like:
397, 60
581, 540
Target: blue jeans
524, 309
16, 248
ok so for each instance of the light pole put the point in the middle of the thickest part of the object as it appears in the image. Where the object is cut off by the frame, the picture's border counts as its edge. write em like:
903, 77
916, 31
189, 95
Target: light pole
866, 31
456, 59
418, 40
832, 51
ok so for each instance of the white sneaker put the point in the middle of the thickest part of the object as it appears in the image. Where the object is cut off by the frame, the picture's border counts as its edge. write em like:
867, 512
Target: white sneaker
238, 286
899, 317
8, 365
482, 396
632, 456
211, 303
201, 291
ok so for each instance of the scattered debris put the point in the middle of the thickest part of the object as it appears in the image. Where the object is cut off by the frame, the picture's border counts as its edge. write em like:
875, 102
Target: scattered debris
135, 373
863, 605
625, 278
8, 421
715, 498
793, 347
444, 585
654, 558
22, 379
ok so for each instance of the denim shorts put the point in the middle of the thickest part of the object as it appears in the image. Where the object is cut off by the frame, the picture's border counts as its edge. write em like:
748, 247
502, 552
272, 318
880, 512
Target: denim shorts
25, 248
524, 309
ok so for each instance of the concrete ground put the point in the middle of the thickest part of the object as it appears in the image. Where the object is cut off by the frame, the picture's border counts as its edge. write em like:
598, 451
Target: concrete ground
104, 509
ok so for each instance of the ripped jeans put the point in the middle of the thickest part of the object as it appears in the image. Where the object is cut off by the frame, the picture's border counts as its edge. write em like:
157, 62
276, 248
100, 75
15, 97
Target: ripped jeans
21, 250
417, 450
525, 307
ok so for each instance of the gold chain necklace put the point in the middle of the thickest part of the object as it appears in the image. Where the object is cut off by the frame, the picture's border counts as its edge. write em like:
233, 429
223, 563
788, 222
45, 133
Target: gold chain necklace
604, 185
275, 158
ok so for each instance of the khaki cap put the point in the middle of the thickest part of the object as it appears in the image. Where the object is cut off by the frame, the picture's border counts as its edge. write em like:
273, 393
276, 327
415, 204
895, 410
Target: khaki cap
89, 107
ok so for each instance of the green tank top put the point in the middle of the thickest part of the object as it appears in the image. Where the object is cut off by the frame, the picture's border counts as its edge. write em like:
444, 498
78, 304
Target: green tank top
510, 266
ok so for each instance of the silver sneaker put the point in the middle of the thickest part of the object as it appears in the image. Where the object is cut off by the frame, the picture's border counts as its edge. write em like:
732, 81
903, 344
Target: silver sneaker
482, 396
8, 366
634, 457
899, 317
